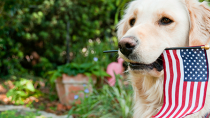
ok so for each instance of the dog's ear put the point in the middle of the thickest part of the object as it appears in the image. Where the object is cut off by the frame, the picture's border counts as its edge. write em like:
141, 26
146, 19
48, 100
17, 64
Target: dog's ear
200, 22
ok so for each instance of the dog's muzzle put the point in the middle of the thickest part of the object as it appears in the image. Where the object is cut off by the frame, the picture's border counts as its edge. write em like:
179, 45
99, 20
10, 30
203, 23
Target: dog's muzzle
127, 46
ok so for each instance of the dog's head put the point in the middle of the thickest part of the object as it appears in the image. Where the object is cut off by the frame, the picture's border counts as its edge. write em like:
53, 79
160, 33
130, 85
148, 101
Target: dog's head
150, 26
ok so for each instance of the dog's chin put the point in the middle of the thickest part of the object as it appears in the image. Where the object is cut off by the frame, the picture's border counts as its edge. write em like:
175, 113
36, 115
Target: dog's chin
154, 69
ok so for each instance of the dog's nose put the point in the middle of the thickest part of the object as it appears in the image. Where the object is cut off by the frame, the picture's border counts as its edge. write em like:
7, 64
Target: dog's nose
127, 45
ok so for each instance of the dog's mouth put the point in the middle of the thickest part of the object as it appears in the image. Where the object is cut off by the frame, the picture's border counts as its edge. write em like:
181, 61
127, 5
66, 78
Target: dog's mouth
158, 65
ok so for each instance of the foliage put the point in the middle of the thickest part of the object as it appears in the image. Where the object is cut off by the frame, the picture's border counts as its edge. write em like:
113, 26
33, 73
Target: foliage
107, 102
74, 69
120, 11
15, 114
22, 90
39, 27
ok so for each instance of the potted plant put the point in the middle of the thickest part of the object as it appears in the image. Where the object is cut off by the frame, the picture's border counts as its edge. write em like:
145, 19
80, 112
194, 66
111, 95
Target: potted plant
72, 78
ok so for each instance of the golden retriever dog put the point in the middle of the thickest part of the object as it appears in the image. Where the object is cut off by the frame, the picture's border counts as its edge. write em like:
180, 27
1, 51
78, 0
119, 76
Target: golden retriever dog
146, 29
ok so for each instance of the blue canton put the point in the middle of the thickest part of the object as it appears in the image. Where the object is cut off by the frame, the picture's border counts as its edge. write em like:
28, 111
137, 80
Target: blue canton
195, 65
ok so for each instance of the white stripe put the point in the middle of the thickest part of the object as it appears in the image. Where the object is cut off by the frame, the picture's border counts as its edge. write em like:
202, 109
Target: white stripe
194, 98
181, 83
187, 99
167, 83
174, 83
201, 96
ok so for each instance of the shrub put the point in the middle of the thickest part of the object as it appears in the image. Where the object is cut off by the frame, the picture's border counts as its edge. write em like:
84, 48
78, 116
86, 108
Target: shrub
40, 27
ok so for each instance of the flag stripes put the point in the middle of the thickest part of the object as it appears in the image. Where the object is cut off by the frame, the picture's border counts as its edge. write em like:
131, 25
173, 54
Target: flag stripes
182, 96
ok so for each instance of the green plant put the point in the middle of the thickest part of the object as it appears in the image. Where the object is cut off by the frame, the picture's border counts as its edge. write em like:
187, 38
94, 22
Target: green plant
74, 69
22, 90
16, 114
107, 102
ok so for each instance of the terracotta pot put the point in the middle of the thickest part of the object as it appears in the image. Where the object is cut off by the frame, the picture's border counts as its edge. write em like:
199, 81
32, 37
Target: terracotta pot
69, 86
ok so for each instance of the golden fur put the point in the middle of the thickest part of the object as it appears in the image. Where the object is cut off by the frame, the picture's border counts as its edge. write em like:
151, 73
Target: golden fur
191, 27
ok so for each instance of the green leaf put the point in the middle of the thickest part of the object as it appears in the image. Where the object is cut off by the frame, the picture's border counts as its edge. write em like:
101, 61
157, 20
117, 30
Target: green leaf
30, 87
21, 93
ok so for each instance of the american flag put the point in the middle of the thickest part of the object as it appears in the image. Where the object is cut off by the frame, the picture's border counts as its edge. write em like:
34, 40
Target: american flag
185, 82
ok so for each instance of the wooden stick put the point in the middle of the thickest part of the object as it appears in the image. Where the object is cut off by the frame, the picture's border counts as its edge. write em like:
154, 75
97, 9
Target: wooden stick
206, 47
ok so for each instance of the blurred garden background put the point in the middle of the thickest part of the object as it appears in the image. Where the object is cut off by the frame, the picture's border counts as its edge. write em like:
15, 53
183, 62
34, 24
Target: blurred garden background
40, 40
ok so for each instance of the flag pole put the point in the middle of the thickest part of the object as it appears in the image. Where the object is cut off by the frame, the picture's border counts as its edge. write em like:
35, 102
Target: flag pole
206, 47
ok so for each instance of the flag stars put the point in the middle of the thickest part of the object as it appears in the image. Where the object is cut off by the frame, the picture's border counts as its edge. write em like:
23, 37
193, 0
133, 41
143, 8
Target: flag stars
194, 63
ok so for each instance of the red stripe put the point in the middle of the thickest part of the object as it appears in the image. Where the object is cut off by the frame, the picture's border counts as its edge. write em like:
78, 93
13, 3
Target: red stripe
190, 99
165, 75
183, 99
170, 83
177, 83
205, 91
197, 97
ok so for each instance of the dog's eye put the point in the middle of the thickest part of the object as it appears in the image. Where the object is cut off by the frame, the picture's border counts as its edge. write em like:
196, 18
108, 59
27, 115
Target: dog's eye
132, 22
165, 21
